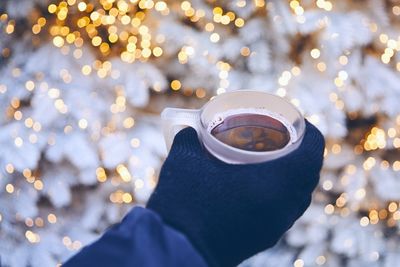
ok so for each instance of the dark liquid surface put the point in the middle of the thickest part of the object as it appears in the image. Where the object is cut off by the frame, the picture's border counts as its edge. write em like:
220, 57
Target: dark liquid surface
252, 132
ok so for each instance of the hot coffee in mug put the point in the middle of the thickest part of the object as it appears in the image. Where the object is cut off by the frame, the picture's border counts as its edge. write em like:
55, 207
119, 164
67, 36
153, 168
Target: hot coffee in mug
241, 127
251, 130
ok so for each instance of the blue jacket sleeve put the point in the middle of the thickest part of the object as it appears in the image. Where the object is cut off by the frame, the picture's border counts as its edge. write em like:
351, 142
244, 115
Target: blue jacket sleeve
141, 239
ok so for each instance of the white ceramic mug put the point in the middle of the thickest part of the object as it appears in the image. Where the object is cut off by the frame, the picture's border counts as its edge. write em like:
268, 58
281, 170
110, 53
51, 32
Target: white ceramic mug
244, 101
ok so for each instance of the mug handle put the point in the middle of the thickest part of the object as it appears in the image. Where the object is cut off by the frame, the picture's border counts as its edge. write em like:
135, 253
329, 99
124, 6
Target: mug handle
175, 119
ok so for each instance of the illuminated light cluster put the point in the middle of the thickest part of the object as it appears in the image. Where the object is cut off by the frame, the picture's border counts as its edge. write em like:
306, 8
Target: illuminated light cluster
53, 93
120, 102
341, 201
5, 53
320, 260
10, 27
71, 245
10, 188
124, 173
373, 216
392, 46
360, 194
396, 215
285, 77
185, 53
396, 166
364, 221
392, 133
296, 7
392, 207
135, 142
336, 148
38, 185
343, 60
327, 185
101, 175
296, 71
51, 218
241, 3
3, 17
36, 28
376, 139
214, 37
321, 66
10, 168
369, 163
298, 10
373, 27
209, 27
339, 104
384, 165
339, 81
225, 19
3, 89
245, 51
27, 173
32, 237
329, 209
201, 93
128, 122
191, 13
83, 123
139, 184
107, 24
315, 53
239, 22
324, 4
298, 263
120, 197
259, 3
281, 92
60, 106
391, 214
176, 85
396, 10
224, 69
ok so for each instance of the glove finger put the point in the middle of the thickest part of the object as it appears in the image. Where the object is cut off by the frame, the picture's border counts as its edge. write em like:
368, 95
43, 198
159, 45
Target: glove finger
312, 152
313, 143
186, 143
305, 163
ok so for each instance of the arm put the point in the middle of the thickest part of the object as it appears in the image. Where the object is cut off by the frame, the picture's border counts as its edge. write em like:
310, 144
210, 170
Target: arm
228, 212
141, 239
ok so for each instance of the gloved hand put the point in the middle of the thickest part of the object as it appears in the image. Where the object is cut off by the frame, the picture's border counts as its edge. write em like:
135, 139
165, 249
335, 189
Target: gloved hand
230, 212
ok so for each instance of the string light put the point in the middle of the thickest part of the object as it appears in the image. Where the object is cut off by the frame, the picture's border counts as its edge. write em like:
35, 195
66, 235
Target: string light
320, 260
298, 263
376, 139
51, 218
32, 237
315, 53
101, 174
124, 173
120, 28
176, 85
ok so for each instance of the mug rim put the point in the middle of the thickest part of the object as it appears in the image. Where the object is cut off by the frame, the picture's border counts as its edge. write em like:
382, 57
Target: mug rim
210, 138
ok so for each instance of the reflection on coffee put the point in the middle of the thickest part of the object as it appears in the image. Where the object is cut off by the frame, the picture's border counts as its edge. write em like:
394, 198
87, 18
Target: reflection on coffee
252, 132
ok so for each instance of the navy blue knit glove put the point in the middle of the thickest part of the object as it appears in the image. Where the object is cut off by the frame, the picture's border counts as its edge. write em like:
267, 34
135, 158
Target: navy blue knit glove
231, 212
